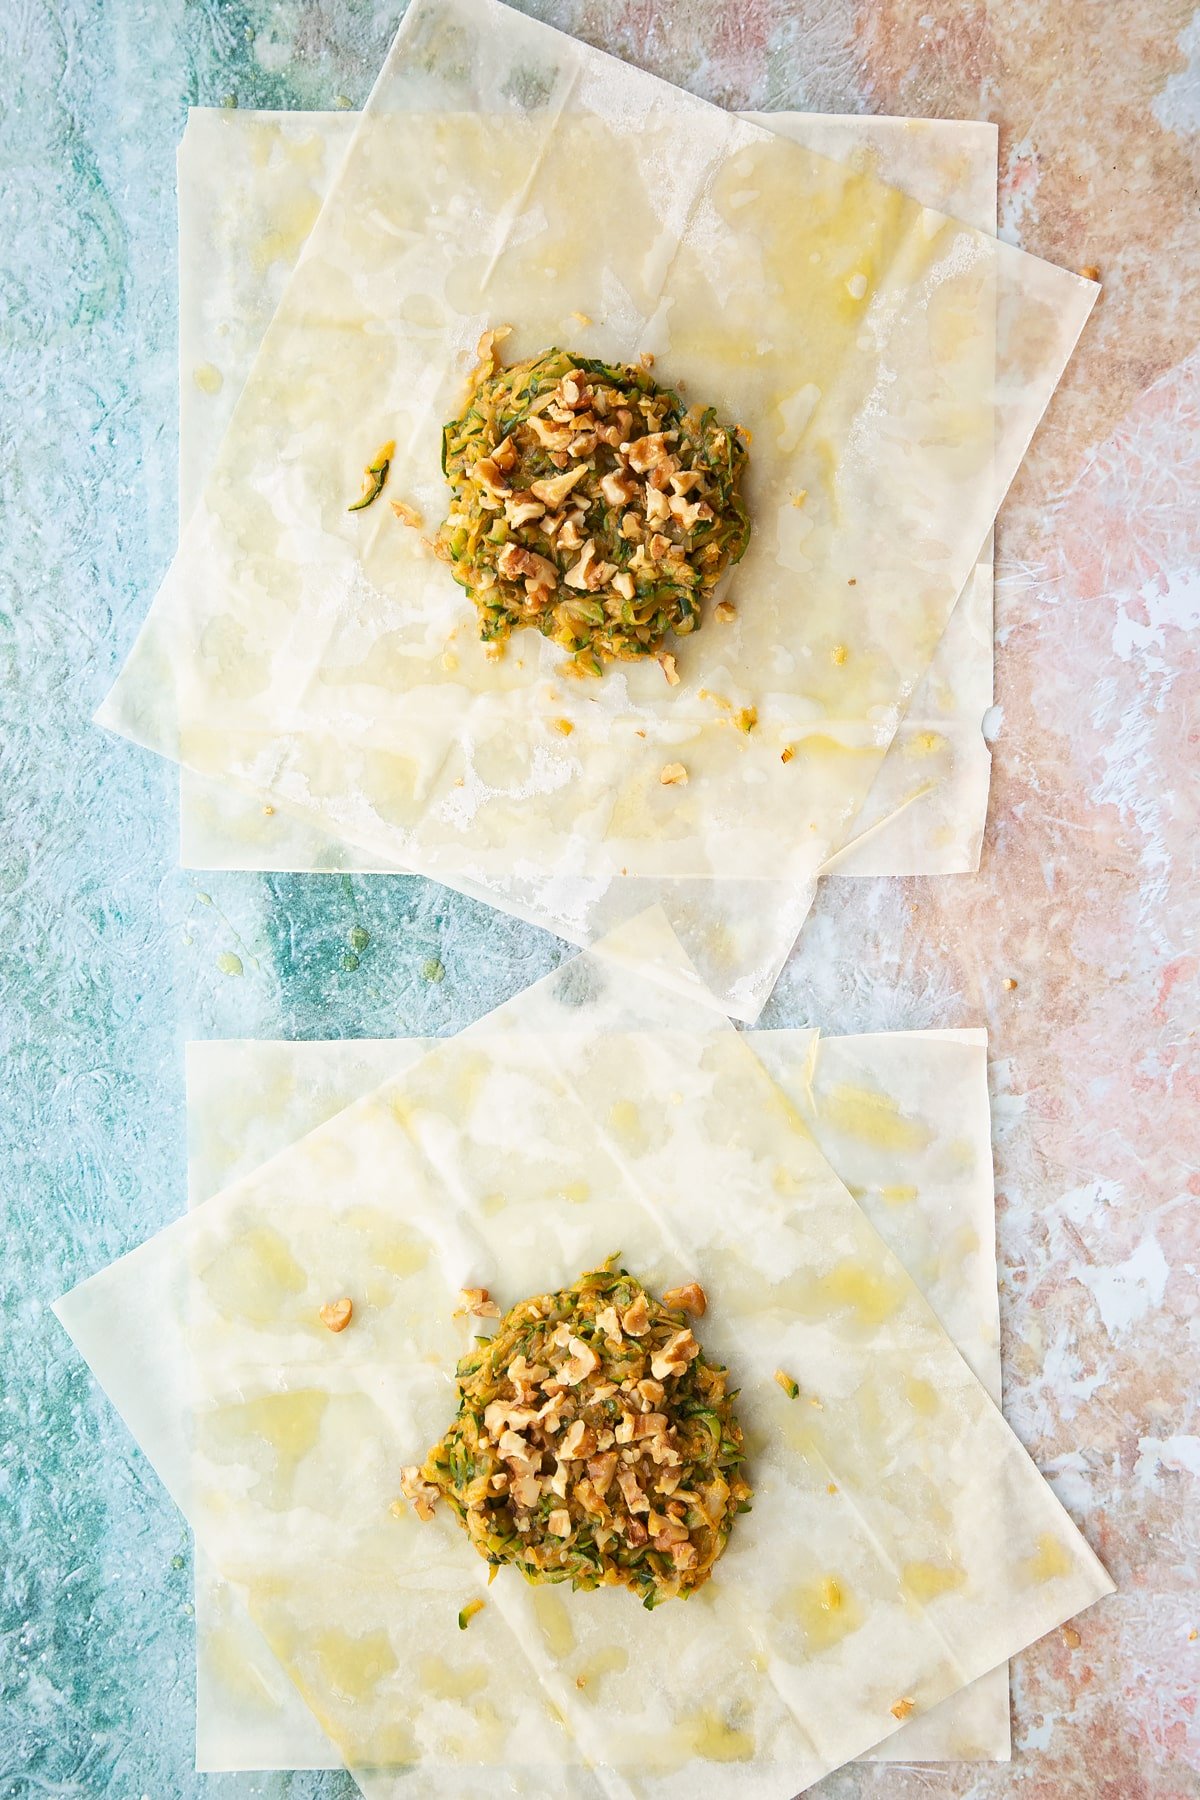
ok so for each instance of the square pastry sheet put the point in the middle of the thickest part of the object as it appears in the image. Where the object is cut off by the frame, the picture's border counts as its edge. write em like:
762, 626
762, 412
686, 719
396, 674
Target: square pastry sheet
250, 187
595, 1112
890, 361
903, 1117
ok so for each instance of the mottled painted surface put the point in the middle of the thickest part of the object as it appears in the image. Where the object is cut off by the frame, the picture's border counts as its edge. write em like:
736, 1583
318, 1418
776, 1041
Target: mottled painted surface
108, 956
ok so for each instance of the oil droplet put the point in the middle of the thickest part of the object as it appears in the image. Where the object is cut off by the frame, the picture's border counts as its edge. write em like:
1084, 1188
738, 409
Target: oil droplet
924, 1581
229, 963
432, 970
445, 1683
350, 961
1051, 1559
627, 1125
926, 743
921, 1395
871, 1296
253, 1276
716, 1741
873, 1117
607, 1662
898, 1194
555, 1622
208, 378
355, 1666
826, 1612
359, 937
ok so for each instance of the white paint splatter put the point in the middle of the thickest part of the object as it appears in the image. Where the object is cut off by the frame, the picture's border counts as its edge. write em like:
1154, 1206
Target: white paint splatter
1159, 1456
1125, 1292
1018, 190
1178, 106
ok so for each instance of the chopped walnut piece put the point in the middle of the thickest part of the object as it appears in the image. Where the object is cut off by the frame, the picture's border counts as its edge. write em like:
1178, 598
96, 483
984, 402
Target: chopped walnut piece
634, 1498
577, 575
477, 1302
660, 546
337, 1314
675, 1355
522, 509
555, 488
609, 1322
525, 1489
674, 775
617, 488
559, 1522
650, 1390
669, 670
582, 1362
725, 610
492, 476
690, 1298
602, 1470
421, 1494
657, 508
526, 1374
651, 452
635, 1321
579, 1441
515, 562
651, 1424
408, 515
599, 575
688, 513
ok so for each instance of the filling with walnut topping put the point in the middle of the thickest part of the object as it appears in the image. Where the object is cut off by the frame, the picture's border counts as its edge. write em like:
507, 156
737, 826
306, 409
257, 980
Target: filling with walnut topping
590, 503
593, 1443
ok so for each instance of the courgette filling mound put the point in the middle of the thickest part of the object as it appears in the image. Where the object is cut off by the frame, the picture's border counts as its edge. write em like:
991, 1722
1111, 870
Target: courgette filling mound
590, 503
593, 1442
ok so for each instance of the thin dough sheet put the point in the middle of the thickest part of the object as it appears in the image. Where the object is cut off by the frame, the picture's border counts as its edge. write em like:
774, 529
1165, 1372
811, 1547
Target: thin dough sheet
902, 1116
890, 361
250, 187
901, 1543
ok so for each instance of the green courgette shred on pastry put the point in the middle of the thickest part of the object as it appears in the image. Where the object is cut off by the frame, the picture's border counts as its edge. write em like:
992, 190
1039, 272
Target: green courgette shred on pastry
590, 503
593, 1442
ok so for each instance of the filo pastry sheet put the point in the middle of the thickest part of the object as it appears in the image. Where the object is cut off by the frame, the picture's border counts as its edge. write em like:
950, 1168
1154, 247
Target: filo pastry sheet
889, 362
250, 187
904, 1119
901, 1543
